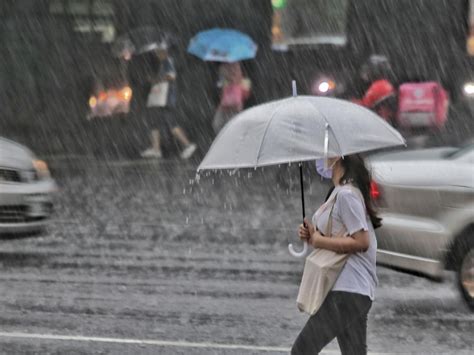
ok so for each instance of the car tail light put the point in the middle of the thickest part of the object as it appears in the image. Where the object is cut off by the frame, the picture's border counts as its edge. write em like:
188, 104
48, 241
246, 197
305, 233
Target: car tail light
374, 191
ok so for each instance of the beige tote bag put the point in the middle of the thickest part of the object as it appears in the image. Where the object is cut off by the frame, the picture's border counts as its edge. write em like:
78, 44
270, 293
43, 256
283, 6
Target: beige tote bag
321, 270
158, 95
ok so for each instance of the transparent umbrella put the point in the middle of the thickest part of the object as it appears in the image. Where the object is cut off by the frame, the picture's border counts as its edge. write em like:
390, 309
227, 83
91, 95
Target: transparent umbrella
298, 129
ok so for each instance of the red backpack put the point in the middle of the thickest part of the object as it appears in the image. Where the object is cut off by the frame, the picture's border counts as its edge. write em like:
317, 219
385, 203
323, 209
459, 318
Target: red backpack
422, 105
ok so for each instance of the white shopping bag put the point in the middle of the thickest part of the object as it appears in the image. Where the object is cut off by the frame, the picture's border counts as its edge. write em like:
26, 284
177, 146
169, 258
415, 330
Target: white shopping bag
158, 95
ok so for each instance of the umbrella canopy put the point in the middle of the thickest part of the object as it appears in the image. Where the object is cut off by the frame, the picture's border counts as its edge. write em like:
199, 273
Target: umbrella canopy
298, 129
222, 45
141, 40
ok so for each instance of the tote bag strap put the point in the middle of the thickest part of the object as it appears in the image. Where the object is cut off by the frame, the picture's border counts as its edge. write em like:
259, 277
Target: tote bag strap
329, 225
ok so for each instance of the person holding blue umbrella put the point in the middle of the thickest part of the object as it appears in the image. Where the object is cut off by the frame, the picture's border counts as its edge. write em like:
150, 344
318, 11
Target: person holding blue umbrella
222, 45
235, 90
228, 47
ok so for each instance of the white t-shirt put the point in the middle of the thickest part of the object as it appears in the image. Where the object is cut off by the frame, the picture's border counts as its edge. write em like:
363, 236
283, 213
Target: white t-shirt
359, 273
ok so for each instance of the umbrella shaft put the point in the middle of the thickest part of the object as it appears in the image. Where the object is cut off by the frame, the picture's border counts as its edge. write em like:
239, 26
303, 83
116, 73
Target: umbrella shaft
302, 190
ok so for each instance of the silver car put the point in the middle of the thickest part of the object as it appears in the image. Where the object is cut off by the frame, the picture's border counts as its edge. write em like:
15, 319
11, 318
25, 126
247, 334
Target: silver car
426, 200
26, 190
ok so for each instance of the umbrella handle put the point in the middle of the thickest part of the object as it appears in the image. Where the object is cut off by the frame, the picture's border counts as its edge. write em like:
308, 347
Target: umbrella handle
298, 254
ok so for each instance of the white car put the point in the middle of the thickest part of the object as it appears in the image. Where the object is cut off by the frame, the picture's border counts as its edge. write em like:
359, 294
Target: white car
26, 190
426, 200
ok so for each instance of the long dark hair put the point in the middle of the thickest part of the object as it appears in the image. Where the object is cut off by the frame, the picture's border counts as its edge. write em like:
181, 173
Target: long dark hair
356, 172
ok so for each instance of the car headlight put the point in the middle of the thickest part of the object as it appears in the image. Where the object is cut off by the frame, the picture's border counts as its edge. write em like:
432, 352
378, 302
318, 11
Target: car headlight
92, 102
323, 86
41, 169
468, 89
126, 93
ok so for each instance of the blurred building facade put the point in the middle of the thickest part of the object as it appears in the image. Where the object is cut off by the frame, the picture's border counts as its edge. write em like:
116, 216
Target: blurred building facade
53, 49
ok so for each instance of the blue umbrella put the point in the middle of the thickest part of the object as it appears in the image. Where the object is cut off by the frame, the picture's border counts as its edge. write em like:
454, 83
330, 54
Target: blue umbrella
222, 45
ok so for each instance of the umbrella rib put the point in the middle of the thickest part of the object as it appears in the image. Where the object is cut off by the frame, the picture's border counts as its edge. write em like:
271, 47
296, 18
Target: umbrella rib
266, 130
329, 126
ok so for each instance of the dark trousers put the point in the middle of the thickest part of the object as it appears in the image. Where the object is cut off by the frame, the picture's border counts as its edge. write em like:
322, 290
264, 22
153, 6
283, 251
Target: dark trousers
343, 315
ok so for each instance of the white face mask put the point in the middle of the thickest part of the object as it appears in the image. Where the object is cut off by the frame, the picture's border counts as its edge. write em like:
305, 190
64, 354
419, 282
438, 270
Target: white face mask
323, 169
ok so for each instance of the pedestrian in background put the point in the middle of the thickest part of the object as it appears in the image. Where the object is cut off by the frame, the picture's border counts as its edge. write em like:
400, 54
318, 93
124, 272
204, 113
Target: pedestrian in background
161, 104
381, 95
235, 90
349, 212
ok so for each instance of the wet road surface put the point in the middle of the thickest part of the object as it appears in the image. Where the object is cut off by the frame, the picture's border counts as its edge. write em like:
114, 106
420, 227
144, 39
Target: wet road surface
143, 259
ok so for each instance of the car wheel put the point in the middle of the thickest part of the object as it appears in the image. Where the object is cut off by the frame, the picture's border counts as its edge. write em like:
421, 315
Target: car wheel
466, 270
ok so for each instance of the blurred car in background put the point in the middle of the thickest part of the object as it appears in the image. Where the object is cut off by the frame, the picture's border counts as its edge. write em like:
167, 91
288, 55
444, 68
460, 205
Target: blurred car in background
110, 101
426, 200
26, 190
108, 87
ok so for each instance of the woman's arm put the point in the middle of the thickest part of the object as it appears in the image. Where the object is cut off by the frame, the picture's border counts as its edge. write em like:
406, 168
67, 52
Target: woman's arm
357, 242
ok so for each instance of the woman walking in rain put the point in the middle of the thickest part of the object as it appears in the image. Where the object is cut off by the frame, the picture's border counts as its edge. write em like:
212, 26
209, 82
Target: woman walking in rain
349, 211
235, 91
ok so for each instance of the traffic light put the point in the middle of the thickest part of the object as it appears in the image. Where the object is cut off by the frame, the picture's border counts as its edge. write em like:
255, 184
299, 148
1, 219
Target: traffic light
279, 4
